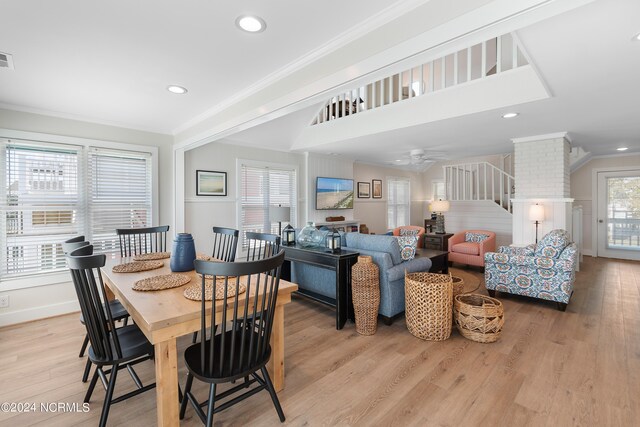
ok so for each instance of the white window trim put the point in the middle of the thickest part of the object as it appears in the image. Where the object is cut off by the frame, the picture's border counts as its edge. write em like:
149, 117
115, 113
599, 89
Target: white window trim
260, 164
46, 279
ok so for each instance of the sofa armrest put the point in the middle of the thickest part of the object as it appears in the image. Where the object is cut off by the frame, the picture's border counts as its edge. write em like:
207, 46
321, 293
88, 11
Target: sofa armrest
528, 250
488, 245
528, 261
455, 239
412, 266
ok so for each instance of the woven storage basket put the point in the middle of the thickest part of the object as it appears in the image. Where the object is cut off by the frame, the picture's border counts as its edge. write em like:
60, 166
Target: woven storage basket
458, 285
479, 317
366, 295
428, 310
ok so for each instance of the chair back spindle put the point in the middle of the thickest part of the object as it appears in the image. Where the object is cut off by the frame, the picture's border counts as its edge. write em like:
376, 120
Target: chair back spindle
138, 241
225, 243
262, 245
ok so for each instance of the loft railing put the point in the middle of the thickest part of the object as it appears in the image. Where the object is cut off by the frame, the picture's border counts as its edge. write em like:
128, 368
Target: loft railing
479, 181
482, 60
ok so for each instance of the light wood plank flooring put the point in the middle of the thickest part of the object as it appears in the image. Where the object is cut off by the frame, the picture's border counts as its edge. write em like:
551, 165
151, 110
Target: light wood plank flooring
581, 367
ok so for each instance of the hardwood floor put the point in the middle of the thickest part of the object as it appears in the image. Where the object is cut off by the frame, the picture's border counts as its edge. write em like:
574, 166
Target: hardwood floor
580, 367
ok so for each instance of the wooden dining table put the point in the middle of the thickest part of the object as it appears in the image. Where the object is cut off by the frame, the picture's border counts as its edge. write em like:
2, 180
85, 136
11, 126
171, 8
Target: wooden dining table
165, 315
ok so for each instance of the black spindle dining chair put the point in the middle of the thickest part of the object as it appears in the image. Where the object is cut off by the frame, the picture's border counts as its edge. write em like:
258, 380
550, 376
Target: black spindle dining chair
138, 241
116, 348
117, 310
225, 244
236, 352
261, 245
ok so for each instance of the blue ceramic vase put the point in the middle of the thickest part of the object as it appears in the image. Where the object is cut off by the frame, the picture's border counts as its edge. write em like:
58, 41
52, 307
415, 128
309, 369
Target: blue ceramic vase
183, 253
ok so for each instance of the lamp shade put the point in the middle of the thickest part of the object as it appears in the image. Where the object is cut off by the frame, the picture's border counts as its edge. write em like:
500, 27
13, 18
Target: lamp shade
279, 213
440, 206
536, 213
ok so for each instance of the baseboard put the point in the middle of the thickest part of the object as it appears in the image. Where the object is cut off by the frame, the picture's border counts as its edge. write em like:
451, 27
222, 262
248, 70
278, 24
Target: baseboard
587, 252
35, 313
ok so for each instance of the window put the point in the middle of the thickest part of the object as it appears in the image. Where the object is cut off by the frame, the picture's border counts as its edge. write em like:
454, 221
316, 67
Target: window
398, 202
42, 205
119, 195
438, 190
55, 191
263, 185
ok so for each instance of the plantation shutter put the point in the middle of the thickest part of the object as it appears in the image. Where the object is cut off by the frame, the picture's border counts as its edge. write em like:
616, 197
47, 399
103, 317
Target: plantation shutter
40, 203
261, 187
398, 202
119, 195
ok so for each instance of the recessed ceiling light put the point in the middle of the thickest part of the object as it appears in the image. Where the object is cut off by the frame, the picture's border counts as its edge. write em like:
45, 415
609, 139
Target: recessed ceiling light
636, 38
251, 24
510, 115
622, 148
176, 89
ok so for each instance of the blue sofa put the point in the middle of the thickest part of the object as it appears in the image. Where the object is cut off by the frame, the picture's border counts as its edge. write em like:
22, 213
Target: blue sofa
385, 252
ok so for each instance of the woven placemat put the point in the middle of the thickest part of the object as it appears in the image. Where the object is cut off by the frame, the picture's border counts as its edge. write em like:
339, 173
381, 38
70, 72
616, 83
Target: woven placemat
137, 266
204, 257
194, 292
165, 281
152, 256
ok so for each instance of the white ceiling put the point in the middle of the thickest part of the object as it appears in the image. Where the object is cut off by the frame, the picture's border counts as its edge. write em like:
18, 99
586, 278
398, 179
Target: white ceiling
587, 59
110, 61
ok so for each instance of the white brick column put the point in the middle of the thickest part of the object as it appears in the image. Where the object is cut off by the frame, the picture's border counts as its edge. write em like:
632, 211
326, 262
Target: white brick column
541, 176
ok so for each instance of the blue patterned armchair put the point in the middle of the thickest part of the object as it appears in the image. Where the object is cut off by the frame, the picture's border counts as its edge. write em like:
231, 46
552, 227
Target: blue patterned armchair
544, 271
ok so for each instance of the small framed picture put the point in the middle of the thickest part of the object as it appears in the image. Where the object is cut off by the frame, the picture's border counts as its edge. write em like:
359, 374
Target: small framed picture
364, 190
211, 183
377, 188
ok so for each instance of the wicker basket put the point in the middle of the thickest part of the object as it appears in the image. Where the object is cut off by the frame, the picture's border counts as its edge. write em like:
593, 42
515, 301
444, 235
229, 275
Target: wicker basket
366, 295
428, 310
458, 285
479, 317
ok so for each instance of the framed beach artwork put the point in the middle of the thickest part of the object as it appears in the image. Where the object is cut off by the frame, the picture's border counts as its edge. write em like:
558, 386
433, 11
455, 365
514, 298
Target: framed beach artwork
377, 188
364, 190
211, 183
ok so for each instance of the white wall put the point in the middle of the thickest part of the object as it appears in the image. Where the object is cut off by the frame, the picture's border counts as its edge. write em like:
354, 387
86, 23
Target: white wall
204, 212
330, 167
582, 191
54, 299
373, 212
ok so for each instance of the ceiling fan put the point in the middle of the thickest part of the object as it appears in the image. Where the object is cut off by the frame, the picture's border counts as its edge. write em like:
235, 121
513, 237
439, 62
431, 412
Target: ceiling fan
420, 157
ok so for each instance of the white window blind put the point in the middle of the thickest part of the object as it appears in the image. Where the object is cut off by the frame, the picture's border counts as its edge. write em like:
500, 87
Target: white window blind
261, 187
398, 202
41, 205
119, 195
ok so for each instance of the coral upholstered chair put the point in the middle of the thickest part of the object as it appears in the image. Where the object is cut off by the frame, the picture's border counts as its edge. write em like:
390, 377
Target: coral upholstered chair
410, 229
469, 246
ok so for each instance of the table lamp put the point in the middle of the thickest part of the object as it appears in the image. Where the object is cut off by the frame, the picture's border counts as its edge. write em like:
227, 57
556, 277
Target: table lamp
536, 214
279, 213
440, 206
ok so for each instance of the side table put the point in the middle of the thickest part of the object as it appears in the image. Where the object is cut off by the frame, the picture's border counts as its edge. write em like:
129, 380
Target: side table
439, 242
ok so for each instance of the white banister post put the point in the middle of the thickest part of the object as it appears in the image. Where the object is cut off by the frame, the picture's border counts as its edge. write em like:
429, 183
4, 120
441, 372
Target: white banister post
484, 59
469, 64
498, 54
455, 68
477, 181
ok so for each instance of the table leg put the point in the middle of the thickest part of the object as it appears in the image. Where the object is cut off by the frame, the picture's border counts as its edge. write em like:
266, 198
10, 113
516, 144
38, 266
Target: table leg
276, 363
166, 357
445, 269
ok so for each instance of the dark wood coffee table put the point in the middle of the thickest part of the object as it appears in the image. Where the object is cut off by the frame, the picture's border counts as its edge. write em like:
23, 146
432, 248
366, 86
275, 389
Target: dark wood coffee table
439, 259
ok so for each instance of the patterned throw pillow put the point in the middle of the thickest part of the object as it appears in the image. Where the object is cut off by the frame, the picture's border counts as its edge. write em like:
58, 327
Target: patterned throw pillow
408, 246
475, 237
409, 231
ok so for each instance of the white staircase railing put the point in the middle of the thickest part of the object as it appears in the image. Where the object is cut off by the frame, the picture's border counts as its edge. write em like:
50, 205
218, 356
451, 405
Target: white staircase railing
485, 59
479, 181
